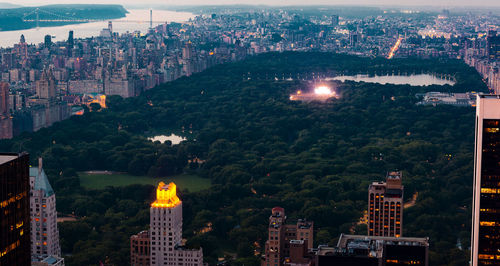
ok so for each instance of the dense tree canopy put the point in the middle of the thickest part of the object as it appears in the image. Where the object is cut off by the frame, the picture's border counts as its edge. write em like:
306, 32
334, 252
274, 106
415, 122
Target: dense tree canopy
262, 150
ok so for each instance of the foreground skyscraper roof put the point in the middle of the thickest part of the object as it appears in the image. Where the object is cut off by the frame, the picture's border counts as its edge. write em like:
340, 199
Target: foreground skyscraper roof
14, 210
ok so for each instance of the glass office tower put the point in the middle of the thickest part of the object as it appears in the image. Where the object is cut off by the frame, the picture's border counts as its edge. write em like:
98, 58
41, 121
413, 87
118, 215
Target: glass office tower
485, 240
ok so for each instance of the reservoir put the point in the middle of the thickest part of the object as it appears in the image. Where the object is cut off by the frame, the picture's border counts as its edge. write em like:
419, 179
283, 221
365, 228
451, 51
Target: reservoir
412, 80
135, 20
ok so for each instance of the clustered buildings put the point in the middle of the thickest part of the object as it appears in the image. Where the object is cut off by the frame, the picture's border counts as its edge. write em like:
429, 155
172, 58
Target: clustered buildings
292, 244
43, 82
484, 55
28, 214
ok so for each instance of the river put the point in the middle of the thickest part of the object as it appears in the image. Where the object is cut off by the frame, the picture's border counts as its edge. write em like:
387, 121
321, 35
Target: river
85, 30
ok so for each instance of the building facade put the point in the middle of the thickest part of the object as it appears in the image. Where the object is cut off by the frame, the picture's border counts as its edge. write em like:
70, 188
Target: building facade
44, 231
5, 117
165, 233
385, 206
287, 243
139, 249
485, 241
14, 210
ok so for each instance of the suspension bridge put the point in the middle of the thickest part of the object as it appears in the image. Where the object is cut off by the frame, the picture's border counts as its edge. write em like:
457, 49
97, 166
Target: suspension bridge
39, 15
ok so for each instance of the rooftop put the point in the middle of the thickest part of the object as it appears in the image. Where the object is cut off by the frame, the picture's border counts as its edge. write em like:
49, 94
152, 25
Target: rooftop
344, 240
4, 158
166, 196
41, 181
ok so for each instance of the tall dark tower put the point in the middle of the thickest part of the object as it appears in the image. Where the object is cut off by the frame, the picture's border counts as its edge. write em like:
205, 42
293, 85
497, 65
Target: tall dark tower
71, 42
14, 209
335, 20
151, 18
485, 241
48, 41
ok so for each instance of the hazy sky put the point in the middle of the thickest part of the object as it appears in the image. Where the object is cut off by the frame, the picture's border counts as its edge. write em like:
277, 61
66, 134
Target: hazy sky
442, 3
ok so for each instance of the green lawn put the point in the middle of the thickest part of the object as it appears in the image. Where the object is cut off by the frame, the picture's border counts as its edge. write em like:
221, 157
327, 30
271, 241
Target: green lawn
184, 181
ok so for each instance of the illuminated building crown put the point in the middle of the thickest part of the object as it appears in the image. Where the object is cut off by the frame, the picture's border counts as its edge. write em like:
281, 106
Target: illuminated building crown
166, 196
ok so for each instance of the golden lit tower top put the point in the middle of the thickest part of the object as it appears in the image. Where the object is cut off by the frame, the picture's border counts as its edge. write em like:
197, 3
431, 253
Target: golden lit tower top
166, 196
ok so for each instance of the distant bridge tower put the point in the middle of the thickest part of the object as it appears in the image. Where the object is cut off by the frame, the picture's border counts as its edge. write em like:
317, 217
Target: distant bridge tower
37, 18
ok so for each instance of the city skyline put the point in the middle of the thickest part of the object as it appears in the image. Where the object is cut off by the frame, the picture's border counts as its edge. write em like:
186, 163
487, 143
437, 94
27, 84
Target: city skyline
94, 104
441, 3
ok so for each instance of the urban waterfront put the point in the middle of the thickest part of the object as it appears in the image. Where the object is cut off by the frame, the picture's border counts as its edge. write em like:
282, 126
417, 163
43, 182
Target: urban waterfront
135, 20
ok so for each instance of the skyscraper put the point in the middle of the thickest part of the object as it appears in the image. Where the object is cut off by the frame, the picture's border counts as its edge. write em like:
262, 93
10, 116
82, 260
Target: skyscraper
14, 209
48, 41
46, 86
485, 240
287, 242
385, 206
4, 98
166, 230
71, 43
335, 20
44, 232
5, 118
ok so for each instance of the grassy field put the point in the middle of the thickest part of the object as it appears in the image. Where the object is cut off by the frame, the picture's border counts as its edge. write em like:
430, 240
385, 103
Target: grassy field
99, 181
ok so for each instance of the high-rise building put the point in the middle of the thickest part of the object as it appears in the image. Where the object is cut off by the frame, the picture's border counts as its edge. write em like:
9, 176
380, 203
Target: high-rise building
22, 48
353, 38
139, 249
493, 45
335, 20
14, 210
5, 118
165, 234
4, 98
485, 240
46, 86
385, 206
44, 232
287, 243
71, 43
48, 41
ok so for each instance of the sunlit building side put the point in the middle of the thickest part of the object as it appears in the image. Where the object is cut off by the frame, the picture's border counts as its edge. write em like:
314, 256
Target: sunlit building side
485, 242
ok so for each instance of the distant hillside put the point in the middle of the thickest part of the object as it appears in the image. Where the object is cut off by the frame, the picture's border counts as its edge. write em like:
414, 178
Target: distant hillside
12, 18
4, 5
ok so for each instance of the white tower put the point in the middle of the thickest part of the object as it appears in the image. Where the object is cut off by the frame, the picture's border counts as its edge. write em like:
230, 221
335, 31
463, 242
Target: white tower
44, 232
166, 230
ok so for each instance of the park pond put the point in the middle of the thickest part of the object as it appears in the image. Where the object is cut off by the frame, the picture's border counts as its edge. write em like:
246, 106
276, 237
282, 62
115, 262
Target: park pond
412, 80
